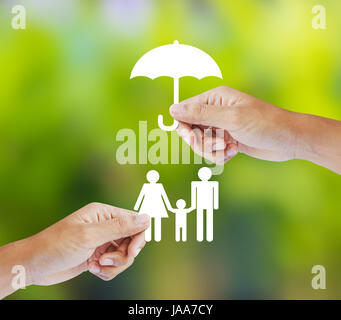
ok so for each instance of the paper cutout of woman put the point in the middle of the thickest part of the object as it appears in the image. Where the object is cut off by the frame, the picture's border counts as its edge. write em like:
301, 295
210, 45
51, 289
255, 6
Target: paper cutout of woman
153, 201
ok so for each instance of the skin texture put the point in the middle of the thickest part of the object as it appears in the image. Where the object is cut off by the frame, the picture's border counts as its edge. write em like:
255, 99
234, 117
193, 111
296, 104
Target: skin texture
98, 238
256, 128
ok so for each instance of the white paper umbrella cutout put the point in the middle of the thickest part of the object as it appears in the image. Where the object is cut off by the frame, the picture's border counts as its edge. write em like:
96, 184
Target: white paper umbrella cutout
176, 61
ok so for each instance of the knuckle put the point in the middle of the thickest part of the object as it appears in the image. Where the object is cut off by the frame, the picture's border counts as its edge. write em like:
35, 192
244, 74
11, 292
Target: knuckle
201, 111
121, 222
93, 205
192, 112
222, 88
187, 110
107, 278
225, 90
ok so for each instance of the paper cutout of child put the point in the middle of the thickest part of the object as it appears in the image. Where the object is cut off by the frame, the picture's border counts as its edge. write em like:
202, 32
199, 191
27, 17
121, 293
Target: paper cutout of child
181, 220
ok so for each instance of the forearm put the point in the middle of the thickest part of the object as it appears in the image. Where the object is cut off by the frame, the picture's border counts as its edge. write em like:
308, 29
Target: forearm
318, 140
14, 254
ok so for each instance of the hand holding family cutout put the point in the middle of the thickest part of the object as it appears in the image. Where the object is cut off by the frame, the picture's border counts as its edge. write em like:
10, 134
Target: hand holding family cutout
153, 201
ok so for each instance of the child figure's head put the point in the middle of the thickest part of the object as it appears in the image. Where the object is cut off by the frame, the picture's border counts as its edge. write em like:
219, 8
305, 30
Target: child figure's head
181, 204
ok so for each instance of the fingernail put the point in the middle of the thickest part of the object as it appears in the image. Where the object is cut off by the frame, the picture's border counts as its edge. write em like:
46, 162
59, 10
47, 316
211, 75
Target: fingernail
137, 252
142, 219
93, 268
218, 146
175, 109
107, 262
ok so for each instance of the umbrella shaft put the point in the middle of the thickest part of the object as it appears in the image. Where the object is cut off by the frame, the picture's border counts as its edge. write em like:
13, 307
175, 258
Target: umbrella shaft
176, 90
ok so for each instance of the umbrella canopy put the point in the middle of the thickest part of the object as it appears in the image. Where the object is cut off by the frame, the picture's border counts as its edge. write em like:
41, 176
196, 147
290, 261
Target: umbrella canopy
176, 61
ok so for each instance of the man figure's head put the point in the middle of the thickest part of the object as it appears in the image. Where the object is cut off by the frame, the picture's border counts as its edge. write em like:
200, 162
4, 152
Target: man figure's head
205, 174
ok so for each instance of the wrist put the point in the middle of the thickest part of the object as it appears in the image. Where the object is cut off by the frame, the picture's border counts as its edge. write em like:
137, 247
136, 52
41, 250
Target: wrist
301, 131
303, 147
286, 132
24, 253
319, 141
15, 269
308, 131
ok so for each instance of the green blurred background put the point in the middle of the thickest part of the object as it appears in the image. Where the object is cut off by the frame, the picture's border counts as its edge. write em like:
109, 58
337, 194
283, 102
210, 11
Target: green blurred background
65, 92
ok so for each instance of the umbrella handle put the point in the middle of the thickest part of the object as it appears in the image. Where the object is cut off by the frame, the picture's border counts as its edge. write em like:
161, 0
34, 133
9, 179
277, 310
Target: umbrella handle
164, 127
176, 101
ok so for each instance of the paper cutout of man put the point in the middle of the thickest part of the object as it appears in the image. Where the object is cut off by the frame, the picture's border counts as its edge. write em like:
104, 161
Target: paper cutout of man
205, 196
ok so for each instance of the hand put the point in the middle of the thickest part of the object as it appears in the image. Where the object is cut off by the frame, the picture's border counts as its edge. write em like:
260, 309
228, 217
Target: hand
80, 242
251, 126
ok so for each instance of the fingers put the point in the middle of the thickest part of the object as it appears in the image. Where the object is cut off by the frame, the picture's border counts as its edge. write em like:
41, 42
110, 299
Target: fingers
136, 244
208, 137
112, 224
231, 150
212, 108
108, 273
117, 257
111, 263
124, 225
130, 247
217, 149
200, 114
220, 96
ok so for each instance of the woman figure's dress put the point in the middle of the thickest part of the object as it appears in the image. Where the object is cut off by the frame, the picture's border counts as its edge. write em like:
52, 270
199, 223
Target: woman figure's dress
154, 201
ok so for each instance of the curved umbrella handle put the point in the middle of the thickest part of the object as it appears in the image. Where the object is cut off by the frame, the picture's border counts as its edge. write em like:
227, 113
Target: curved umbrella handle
166, 128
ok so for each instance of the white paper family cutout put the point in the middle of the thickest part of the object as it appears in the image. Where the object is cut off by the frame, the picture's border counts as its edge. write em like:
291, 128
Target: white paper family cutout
176, 61
153, 201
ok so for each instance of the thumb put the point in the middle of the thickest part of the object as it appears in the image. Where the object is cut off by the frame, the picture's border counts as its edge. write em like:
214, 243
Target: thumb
121, 225
204, 114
